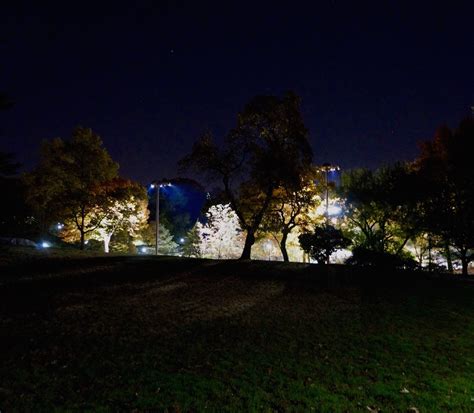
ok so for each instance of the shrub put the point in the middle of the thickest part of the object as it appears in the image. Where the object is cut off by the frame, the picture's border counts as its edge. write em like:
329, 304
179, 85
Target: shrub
368, 258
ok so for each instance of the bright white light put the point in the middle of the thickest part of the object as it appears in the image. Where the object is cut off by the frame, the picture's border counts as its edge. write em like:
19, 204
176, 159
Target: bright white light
143, 250
60, 226
181, 240
45, 244
334, 210
87, 242
152, 186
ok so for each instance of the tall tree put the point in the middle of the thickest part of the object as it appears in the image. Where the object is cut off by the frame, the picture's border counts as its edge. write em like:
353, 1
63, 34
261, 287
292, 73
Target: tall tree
381, 207
267, 149
66, 185
124, 208
291, 208
445, 165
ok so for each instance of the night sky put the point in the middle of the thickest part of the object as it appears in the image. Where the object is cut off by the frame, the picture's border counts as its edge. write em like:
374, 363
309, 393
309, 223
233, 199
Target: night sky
375, 78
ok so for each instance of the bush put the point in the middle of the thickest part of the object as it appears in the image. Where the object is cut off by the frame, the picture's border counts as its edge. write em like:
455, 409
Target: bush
367, 258
322, 242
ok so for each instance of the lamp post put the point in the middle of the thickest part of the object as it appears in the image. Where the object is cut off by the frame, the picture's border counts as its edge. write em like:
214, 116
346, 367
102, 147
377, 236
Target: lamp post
158, 186
327, 167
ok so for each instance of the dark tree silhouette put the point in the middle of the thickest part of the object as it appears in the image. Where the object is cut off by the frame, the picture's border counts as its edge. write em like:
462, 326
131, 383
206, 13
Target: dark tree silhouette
445, 165
322, 242
290, 209
267, 149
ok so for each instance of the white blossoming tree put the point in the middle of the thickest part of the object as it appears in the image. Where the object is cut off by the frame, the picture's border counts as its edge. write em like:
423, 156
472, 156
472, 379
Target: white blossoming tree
221, 235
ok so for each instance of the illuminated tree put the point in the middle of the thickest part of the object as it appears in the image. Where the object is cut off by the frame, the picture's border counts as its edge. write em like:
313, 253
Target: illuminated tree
192, 242
66, 185
267, 149
221, 235
381, 207
166, 244
291, 208
125, 208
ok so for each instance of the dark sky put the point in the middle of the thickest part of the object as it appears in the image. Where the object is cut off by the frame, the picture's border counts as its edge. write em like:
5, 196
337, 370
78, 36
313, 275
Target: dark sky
375, 77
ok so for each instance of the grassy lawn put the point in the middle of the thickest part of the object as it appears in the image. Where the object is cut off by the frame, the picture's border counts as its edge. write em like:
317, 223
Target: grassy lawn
123, 333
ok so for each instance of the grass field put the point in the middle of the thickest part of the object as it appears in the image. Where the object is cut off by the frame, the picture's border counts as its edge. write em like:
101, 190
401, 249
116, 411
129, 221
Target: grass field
154, 334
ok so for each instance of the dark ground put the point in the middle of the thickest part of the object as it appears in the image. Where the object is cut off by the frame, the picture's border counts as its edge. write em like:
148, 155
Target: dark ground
123, 333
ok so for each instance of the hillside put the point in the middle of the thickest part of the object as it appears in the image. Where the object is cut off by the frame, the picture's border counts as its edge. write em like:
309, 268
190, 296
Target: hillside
122, 333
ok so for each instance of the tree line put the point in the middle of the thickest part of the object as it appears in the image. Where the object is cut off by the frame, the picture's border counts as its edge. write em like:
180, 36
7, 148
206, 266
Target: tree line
266, 174
268, 189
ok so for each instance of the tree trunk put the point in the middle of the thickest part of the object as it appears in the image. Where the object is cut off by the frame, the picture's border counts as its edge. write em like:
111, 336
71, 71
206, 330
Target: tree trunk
284, 252
83, 241
430, 261
464, 261
449, 261
249, 241
81, 229
464, 266
106, 243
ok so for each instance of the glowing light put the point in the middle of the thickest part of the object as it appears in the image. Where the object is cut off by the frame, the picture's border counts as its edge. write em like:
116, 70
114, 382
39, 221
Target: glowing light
143, 250
181, 240
162, 185
334, 210
45, 244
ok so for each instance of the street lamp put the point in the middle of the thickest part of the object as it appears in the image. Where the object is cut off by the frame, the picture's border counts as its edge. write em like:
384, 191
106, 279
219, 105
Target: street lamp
327, 167
157, 210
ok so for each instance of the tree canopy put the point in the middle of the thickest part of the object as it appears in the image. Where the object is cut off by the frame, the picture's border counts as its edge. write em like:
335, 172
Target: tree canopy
381, 206
322, 242
268, 148
68, 182
445, 168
